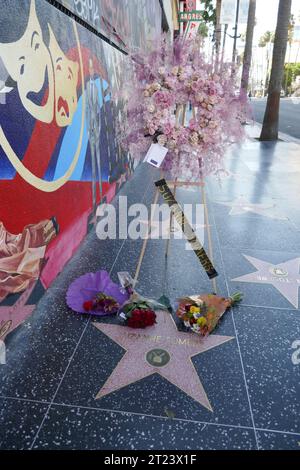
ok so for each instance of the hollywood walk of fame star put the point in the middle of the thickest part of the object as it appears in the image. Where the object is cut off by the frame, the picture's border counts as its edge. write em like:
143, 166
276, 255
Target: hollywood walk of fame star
223, 174
241, 206
19, 311
285, 277
18, 314
159, 349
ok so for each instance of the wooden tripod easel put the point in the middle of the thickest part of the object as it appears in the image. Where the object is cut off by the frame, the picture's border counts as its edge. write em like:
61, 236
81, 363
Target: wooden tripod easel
175, 184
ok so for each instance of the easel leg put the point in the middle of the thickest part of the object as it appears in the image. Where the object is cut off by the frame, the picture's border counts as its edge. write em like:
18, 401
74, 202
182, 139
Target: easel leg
171, 223
144, 246
210, 245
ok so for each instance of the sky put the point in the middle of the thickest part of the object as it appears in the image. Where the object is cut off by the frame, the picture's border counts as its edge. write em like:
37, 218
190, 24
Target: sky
266, 15
266, 19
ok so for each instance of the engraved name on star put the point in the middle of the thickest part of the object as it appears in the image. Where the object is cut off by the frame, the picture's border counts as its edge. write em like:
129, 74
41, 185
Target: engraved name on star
285, 277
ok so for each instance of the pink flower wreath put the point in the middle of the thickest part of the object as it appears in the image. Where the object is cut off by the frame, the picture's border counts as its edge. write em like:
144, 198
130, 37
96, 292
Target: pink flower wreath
192, 107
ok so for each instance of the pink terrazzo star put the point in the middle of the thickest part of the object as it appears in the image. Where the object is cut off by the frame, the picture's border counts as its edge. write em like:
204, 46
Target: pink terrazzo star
242, 206
223, 174
18, 312
285, 277
159, 349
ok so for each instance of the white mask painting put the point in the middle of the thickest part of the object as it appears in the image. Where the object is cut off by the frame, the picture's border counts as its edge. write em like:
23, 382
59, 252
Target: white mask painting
29, 64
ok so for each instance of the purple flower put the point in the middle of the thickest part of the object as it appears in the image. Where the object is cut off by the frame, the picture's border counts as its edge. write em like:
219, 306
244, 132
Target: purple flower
183, 136
193, 124
168, 128
163, 99
86, 287
171, 82
195, 86
184, 76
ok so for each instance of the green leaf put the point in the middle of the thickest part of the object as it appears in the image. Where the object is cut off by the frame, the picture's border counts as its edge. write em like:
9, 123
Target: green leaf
236, 297
142, 305
170, 413
126, 308
164, 300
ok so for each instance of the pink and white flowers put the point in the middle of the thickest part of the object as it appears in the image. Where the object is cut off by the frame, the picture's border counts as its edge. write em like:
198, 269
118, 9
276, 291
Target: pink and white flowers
166, 84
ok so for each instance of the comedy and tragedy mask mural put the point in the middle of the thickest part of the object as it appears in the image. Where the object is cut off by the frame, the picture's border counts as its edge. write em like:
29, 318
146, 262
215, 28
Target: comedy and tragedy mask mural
59, 153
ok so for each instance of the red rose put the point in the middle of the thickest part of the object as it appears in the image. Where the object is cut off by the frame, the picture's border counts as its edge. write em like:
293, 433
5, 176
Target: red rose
149, 317
134, 322
140, 318
88, 305
136, 313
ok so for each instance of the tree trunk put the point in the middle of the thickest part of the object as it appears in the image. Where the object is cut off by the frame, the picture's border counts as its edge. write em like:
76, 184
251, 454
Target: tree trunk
248, 46
218, 28
271, 118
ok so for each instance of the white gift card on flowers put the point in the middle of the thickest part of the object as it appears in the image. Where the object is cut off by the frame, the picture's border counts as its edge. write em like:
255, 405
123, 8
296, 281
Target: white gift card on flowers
155, 155
125, 279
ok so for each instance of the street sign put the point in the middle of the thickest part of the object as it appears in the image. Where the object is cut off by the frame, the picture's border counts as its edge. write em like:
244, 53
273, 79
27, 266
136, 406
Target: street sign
195, 15
243, 14
191, 5
228, 11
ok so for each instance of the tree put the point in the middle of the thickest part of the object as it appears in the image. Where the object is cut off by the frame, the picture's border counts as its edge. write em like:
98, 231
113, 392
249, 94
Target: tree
266, 38
209, 14
265, 41
271, 117
291, 71
248, 46
203, 30
291, 28
218, 29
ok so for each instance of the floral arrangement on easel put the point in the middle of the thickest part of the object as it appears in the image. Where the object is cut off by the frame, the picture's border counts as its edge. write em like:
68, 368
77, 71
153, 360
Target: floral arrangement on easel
179, 100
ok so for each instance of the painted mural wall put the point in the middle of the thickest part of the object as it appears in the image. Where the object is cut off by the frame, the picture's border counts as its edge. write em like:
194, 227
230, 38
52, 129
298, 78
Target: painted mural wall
127, 23
59, 155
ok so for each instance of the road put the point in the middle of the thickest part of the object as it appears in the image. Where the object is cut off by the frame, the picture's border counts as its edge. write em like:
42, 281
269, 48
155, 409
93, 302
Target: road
289, 118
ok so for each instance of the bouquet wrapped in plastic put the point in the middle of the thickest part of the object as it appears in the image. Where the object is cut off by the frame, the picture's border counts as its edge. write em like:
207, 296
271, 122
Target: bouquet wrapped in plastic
138, 311
201, 313
96, 294
137, 315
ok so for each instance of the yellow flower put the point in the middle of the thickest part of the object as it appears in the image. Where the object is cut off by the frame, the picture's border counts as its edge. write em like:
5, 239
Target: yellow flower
201, 321
194, 309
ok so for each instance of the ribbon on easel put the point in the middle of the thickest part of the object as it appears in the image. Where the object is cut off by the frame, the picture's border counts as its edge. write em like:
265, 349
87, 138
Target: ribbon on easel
190, 234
